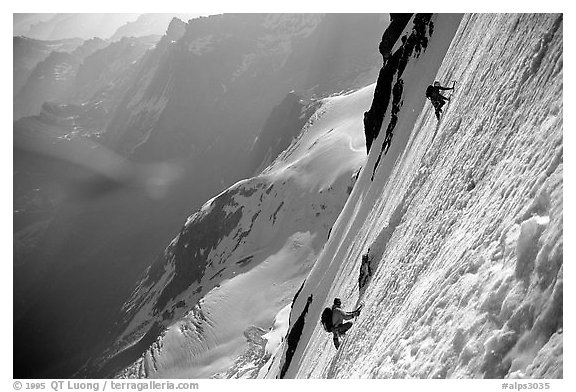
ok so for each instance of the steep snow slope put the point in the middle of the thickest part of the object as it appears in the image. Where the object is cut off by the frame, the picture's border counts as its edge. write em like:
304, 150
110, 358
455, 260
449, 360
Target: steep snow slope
463, 221
240, 259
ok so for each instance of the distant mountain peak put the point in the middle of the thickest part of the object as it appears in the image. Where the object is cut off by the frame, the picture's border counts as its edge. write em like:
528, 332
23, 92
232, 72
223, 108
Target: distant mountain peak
176, 29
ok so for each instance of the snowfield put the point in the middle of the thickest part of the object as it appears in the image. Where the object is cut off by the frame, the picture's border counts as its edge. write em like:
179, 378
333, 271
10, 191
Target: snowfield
219, 298
462, 221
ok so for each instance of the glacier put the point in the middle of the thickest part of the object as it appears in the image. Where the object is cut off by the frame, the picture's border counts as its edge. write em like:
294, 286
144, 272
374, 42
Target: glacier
240, 259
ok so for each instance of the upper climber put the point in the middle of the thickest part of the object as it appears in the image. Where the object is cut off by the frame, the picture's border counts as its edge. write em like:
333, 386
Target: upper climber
437, 99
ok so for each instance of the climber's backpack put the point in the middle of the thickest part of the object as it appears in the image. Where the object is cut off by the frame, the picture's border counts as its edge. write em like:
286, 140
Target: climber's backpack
430, 93
326, 319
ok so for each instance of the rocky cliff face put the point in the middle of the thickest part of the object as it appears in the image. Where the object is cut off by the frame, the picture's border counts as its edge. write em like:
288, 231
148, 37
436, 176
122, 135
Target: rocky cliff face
104, 72
221, 58
52, 79
149, 24
29, 52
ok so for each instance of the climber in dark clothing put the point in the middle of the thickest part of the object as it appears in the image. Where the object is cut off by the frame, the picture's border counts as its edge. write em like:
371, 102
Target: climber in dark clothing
437, 99
338, 317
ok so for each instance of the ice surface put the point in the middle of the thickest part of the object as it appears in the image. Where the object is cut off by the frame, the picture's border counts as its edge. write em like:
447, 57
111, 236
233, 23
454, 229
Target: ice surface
275, 336
464, 219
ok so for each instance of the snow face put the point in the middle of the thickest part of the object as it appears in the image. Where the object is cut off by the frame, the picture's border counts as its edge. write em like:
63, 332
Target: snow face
462, 221
223, 289
275, 336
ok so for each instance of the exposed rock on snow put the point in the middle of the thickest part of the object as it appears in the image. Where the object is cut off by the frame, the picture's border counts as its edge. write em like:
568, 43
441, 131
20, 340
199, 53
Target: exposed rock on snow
293, 337
413, 42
